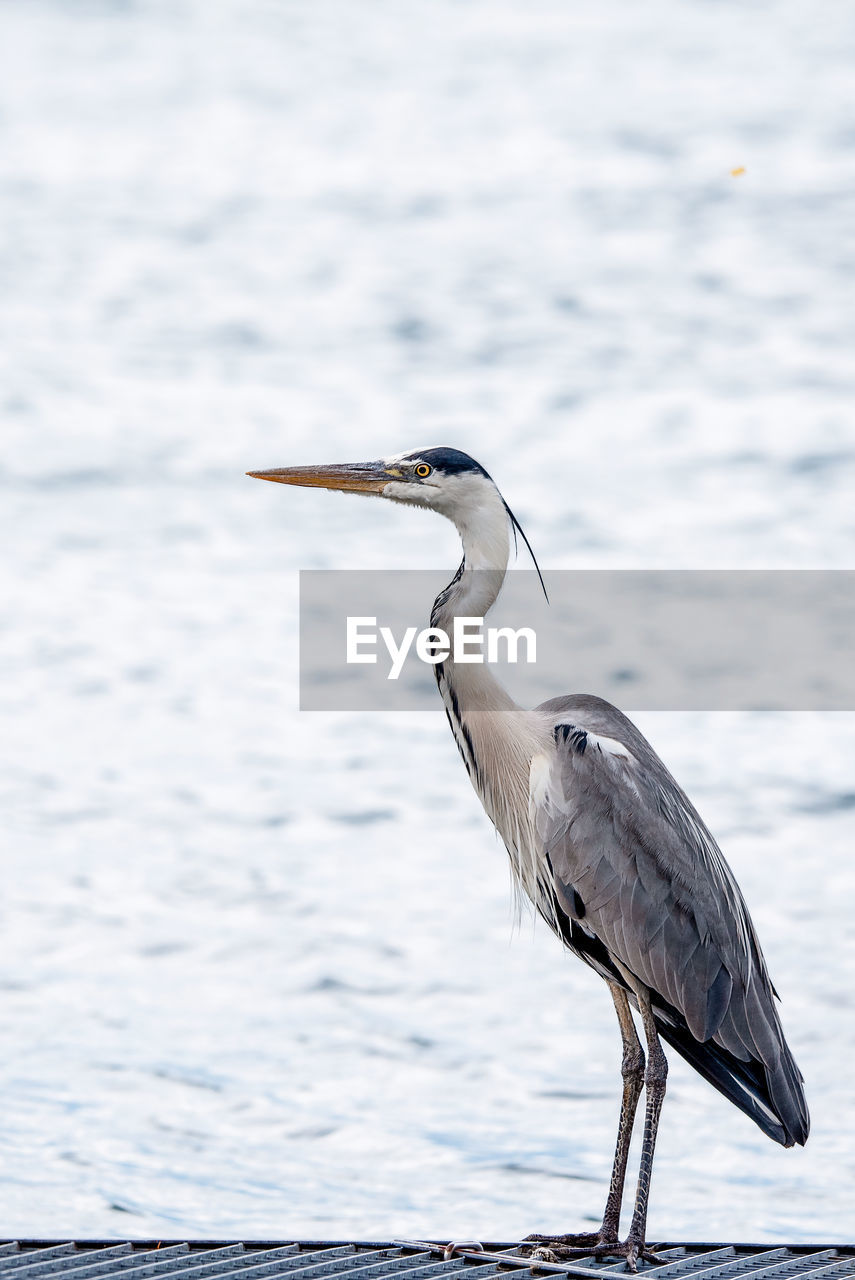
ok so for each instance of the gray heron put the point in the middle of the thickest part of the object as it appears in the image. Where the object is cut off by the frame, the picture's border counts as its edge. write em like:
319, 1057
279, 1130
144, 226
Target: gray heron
608, 848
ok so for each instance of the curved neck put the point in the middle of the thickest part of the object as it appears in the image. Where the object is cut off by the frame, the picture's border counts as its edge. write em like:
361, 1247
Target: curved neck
471, 593
496, 738
475, 587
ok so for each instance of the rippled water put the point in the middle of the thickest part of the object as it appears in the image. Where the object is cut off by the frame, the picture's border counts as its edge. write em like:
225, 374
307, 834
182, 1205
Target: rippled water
259, 973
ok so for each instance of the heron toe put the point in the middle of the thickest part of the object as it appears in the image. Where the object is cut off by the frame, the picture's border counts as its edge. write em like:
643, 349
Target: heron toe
572, 1245
634, 1251
556, 1249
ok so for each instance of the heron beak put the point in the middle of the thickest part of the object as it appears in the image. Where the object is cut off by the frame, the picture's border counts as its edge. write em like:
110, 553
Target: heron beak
358, 477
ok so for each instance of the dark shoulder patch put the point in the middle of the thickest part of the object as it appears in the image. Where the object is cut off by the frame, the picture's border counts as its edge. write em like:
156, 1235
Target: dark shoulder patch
572, 906
572, 734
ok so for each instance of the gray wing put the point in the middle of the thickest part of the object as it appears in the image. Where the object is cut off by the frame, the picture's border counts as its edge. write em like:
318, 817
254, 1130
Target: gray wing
637, 873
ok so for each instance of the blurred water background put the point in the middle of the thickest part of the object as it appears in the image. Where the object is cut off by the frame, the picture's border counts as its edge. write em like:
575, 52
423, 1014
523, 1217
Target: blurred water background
259, 974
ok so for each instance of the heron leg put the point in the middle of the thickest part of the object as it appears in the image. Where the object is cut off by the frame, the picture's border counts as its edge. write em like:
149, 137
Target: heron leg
635, 1245
632, 1070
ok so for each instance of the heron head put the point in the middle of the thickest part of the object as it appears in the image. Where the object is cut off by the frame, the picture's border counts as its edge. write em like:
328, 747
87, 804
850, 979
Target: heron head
446, 480
442, 479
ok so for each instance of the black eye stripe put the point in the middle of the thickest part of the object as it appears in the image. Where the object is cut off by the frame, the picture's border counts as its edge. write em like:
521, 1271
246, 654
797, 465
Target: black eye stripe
449, 462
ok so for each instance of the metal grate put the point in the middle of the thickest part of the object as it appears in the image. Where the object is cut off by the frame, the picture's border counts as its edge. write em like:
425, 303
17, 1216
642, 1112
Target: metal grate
399, 1260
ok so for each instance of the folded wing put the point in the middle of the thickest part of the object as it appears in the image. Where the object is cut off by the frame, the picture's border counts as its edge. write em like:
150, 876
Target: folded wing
641, 888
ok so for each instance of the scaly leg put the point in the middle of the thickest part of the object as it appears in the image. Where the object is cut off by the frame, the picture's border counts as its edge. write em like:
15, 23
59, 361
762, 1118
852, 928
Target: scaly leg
635, 1246
551, 1248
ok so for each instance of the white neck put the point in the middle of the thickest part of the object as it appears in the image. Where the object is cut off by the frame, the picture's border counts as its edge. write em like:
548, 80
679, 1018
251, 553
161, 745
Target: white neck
483, 529
496, 738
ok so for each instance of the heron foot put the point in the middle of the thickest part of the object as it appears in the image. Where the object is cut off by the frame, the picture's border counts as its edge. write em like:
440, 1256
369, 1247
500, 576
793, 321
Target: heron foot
595, 1244
634, 1251
572, 1245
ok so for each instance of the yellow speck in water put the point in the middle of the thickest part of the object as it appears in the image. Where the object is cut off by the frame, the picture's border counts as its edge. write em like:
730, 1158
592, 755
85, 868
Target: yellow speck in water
738, 171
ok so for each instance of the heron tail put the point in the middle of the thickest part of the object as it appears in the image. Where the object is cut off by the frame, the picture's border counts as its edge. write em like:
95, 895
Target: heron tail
773, 1096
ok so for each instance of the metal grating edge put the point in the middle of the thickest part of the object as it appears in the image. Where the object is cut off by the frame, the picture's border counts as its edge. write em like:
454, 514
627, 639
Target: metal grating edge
95, 1259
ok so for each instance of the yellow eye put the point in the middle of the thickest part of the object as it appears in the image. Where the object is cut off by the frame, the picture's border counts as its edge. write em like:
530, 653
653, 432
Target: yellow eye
423, 470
